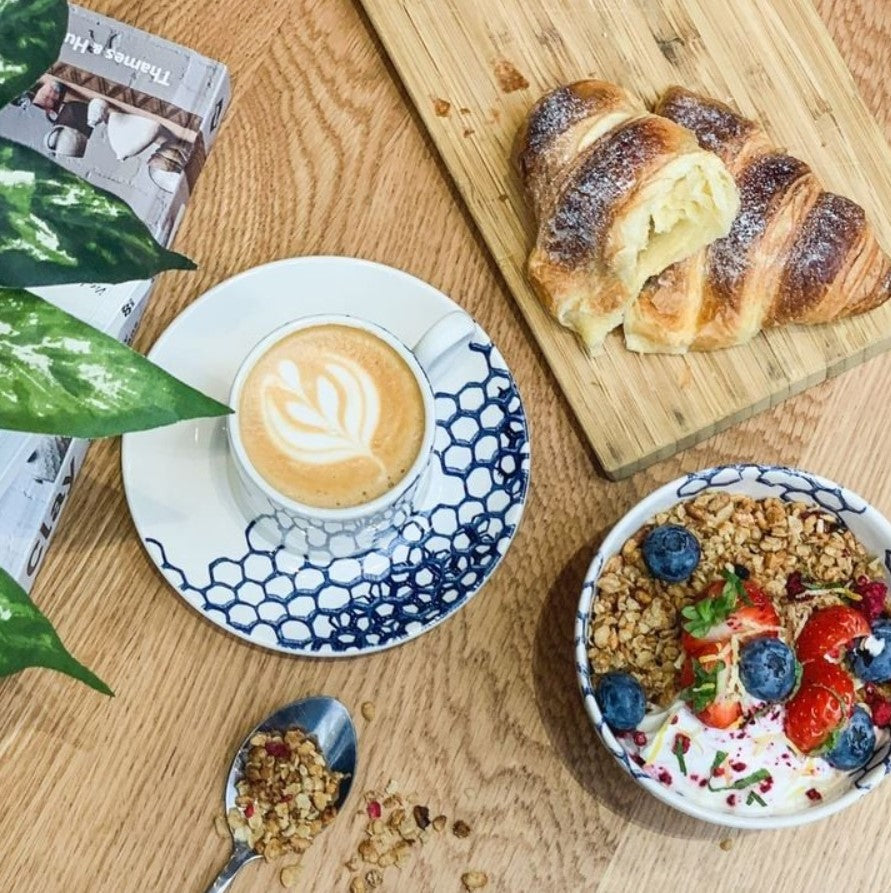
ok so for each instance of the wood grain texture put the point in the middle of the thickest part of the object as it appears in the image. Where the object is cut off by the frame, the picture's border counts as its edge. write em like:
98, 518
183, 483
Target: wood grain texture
790, 76
322, 153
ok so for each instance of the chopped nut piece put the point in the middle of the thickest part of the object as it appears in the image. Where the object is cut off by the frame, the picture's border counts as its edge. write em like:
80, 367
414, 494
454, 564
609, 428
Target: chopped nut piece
289, 874
726, 844
439, 823
368, 711
461, 829
357, 885
421, 816
354, 864
474, 880
374, 878
368, 851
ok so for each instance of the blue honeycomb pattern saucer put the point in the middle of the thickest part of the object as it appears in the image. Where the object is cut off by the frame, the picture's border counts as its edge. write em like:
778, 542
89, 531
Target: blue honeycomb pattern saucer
236, 571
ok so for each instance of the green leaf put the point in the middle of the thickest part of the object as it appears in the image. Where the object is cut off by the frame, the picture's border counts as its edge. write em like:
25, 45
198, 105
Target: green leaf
31, 35
56, 228
704, 688
701, 616
27, 638
60, 376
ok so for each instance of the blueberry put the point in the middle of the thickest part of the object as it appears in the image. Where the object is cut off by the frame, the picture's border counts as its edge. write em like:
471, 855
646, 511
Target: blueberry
622, 701
874, 667
767, 669
856, 743
671, 553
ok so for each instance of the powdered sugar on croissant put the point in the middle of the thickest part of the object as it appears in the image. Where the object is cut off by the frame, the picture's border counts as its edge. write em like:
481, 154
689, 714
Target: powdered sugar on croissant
795, 253
619, 195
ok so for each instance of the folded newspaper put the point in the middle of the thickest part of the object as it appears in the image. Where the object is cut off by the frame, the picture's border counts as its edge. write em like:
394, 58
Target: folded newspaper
136, 115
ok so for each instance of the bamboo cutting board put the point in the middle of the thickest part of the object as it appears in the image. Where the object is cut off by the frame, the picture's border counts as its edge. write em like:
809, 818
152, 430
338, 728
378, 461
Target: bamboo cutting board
474, 68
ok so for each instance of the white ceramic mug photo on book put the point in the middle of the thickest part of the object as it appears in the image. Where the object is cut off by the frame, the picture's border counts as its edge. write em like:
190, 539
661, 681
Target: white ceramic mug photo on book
335, 531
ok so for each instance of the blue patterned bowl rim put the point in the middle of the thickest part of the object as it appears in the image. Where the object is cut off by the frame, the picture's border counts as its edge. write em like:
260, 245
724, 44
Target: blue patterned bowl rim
788, 483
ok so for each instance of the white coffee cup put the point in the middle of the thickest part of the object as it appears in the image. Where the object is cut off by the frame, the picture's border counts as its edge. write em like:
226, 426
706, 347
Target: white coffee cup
326, 533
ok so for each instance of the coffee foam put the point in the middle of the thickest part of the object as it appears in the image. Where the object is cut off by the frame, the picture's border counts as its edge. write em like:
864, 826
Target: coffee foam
337, 421
332, 416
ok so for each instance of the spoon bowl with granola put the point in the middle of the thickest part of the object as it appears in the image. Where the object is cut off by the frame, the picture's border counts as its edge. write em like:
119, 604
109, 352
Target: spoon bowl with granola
288, 781
731, 645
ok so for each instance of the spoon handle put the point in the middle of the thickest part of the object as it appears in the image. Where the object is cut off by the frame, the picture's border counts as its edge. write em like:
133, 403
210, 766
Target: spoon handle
239, 859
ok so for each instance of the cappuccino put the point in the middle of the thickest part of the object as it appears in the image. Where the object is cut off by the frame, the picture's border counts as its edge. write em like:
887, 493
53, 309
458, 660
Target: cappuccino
332, 416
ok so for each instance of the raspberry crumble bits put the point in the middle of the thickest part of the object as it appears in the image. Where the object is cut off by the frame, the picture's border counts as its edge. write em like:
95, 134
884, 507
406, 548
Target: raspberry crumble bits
879, 706
872, 596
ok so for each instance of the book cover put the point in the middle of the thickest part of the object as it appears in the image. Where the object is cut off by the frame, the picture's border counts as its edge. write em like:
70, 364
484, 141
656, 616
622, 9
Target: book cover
136, 115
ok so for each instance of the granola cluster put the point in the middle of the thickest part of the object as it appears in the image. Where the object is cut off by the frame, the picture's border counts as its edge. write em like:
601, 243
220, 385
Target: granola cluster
635, 625
396, 827
286, 795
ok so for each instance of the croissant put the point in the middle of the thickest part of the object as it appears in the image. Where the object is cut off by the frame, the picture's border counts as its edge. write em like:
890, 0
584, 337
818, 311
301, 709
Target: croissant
619, 195
795, 253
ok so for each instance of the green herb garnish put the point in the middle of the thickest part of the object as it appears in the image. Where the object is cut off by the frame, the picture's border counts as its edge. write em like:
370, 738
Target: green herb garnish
720, 756
755, 797
742, 783
818, 587
704, 688
678, 751
701, 616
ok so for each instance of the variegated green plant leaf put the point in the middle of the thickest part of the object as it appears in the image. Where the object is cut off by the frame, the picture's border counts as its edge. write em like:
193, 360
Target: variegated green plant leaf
27, 638
31, 34
60, 376
56, 228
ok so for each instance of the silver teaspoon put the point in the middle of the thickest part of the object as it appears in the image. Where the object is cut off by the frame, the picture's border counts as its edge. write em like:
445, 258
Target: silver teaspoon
329, 723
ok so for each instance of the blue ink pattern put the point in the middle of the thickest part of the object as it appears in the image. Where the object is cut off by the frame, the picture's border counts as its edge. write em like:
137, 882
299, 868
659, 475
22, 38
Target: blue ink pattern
437, 559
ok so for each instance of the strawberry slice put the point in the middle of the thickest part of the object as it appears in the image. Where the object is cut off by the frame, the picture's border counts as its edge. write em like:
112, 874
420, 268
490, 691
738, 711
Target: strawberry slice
828, 630
812, 716
704, 679
831, 676
721, 714
731, 607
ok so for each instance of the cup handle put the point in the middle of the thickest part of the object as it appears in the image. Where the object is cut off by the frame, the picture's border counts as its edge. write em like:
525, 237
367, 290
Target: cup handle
439, 341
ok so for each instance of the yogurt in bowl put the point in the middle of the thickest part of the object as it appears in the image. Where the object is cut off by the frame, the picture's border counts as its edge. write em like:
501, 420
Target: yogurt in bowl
767, 696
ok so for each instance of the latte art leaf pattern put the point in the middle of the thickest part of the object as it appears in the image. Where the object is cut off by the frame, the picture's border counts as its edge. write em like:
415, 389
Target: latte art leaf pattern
332, 422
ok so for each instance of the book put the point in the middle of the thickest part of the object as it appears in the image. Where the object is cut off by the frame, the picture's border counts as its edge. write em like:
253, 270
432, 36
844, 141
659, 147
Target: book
136, 115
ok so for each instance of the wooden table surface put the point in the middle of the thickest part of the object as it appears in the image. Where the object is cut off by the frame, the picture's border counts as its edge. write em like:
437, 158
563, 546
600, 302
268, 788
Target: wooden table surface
322, 153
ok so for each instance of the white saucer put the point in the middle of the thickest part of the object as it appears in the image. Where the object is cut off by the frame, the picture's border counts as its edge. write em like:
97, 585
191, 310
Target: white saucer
178, 485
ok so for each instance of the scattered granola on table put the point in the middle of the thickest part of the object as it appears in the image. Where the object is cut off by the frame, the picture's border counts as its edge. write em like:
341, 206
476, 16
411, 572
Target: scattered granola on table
290, 876
396, 827
286, 794
474, 880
